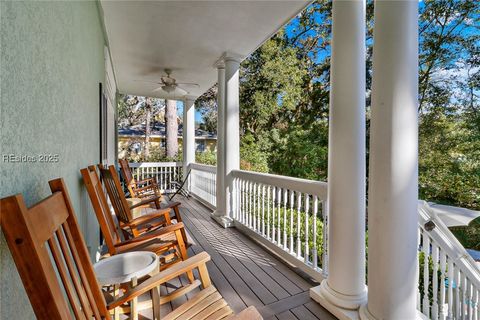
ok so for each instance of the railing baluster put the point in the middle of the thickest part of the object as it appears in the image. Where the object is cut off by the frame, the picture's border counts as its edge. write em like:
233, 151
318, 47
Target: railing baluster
426, 269
325, 239
314, 215
238, 195
299, 242
274, 229
285, 194
263, 210
450, 288
307, 227
244, 195
268, 212
464, 296
292, 200
249, 204
469, 299
443, 269
475, 304
456, 291
259, 208
435, 281
419, 241
279, 218
255, 205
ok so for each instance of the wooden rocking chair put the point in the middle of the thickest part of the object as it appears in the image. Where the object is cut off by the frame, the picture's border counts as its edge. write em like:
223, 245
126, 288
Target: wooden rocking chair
53, 262
128, 224
138, 189
160, 241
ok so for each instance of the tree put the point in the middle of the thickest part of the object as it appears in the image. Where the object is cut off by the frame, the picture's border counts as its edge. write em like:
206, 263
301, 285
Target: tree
171, 130
148, 117
207, 104
137, 110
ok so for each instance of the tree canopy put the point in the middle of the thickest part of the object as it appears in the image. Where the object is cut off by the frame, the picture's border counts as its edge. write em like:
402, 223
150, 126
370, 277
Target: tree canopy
284, 99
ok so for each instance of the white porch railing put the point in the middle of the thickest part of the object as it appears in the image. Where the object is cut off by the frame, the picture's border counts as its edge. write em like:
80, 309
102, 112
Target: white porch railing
165, 172
202, 180
287, 215
449, 283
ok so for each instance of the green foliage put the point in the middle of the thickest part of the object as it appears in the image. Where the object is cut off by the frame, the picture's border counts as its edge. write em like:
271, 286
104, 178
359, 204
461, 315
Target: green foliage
252, 157
302, 153
207, 157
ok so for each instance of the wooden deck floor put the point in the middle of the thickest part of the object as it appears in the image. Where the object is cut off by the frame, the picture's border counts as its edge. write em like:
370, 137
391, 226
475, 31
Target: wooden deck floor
244, 273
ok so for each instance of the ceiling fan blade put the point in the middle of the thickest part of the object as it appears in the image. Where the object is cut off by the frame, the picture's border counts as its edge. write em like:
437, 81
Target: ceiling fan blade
188, 84
181, 90
146, 81
158, 89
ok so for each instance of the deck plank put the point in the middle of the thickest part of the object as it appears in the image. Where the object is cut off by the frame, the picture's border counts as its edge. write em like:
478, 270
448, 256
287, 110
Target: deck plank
303, 313
287, 315
256, 279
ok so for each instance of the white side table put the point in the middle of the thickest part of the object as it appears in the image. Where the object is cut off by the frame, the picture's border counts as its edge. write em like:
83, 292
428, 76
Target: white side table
125, 268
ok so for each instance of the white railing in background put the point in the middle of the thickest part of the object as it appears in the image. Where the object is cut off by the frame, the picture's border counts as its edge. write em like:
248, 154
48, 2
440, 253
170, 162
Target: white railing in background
287, 215
165, 172
202, 182
449, 283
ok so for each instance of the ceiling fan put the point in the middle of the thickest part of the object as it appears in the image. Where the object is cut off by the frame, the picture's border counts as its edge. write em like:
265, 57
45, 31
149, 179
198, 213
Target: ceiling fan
170, 84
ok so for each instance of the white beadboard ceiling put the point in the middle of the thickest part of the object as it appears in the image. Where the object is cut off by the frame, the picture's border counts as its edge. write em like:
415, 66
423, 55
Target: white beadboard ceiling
146, 37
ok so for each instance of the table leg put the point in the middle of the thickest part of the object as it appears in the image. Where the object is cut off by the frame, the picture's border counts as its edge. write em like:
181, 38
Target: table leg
133, 303
116, 311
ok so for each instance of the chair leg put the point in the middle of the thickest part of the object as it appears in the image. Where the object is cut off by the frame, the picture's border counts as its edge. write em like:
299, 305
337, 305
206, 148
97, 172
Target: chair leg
156, 303
178, 217
183, 253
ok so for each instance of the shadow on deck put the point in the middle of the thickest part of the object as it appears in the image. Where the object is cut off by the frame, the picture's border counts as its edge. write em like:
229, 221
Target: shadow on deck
244, 273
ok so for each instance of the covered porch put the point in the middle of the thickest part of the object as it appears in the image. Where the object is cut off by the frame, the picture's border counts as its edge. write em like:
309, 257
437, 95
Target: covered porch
294, 248
320, 227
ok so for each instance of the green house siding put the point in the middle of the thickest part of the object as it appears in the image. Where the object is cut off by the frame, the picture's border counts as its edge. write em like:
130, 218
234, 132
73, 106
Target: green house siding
52, 59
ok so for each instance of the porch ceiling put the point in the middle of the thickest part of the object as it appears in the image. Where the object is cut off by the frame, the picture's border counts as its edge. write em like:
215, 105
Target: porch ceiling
146, 37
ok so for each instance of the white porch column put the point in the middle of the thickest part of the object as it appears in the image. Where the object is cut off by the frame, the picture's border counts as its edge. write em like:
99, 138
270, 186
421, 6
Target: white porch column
188, 143
231, 133
393, 184
220, 182
344, 290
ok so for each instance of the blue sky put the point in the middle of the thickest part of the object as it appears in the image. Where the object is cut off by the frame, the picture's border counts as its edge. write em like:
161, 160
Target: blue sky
198, 115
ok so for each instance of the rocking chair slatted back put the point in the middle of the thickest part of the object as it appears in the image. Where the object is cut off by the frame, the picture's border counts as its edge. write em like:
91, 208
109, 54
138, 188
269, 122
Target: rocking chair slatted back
45, 240
126, 172
114, 189
100, 206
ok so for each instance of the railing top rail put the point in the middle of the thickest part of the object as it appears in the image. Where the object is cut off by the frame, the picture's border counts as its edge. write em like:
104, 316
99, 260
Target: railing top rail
445, 239
155, 164
316, 188
203, 167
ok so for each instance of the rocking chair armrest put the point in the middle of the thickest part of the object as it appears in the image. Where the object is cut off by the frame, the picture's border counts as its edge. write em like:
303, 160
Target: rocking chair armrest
174, 271
152, 234
165, 213
172, 205
145, 201
145, 188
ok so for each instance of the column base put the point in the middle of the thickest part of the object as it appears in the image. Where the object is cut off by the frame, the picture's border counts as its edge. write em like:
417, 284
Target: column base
366, 315
221, 219
341, 306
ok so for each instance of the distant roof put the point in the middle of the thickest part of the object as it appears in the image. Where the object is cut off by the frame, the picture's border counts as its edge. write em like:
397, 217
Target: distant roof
158, 130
